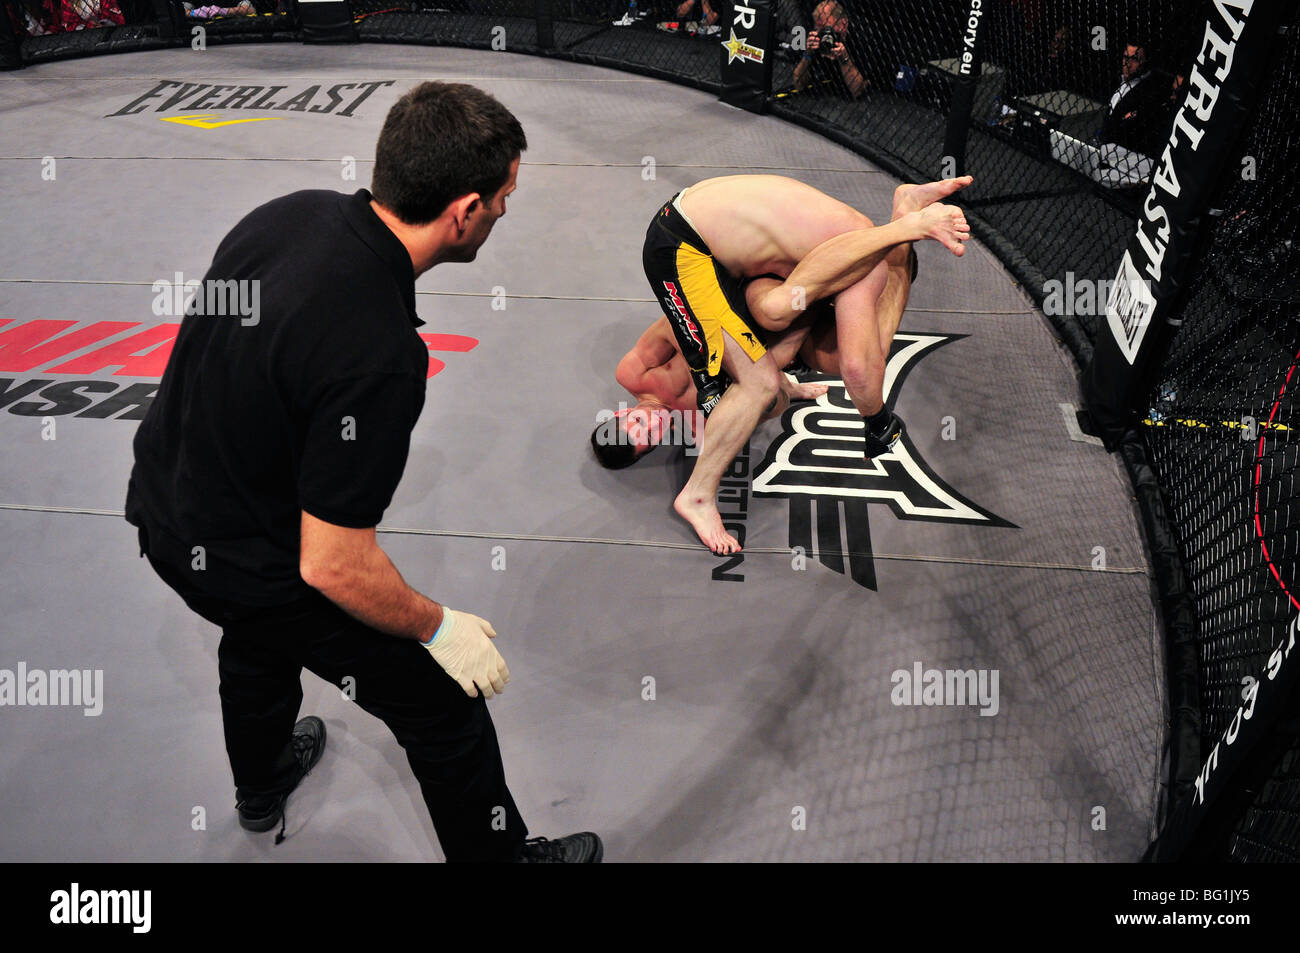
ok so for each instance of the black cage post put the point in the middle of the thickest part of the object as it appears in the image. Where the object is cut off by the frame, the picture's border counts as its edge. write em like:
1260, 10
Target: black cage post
969, 62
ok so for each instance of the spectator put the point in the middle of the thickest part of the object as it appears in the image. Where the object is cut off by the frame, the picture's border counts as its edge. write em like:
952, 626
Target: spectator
707, 26
42, 17
832, 60
1061, 66
1038, 47
34, 18
1134, 123
243, 9
1136, 106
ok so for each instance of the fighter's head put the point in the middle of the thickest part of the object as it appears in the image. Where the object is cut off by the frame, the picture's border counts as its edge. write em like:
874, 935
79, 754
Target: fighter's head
629, 435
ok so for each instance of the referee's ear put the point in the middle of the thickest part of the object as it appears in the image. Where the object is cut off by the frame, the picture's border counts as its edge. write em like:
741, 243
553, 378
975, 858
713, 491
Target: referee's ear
460, 209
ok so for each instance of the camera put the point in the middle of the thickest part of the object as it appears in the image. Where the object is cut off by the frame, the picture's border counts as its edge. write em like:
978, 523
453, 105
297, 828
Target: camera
826, 40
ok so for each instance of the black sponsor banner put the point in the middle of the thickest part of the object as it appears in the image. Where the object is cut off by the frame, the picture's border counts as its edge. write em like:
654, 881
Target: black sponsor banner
963, 90
545, 13
1144, 308
326, 21
1266, 697
10, 57
747, 54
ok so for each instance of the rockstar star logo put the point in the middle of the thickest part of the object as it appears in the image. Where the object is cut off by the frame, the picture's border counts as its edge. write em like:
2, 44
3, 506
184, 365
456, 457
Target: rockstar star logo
738, 48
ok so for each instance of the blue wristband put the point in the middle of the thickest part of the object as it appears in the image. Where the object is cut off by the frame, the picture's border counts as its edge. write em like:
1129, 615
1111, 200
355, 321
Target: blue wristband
446, 618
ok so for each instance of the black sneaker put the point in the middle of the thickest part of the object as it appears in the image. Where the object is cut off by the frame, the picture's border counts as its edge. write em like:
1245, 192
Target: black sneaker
260, 814
584, 848
880, 443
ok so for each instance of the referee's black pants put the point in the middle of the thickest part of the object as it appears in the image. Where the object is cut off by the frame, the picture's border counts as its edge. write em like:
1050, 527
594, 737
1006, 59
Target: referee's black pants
448, 736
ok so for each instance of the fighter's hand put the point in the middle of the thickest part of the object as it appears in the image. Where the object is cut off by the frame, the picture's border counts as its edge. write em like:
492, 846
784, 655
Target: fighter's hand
463, 647
797, 390
946, 224
839, 52
813, 40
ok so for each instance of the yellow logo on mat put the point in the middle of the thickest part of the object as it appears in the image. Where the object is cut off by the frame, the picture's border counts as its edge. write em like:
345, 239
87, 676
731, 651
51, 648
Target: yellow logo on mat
211, 120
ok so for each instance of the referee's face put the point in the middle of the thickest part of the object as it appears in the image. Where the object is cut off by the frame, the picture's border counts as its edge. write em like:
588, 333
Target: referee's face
485, 215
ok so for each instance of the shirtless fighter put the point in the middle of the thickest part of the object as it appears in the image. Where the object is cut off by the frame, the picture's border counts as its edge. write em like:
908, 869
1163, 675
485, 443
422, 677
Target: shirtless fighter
708, 239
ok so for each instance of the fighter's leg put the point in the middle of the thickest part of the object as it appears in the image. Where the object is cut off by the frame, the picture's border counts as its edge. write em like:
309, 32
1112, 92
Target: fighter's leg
913, 198
867, 317
831, 267
755, 385
860, 340
867, 314
900, 262
819, 350
785, 346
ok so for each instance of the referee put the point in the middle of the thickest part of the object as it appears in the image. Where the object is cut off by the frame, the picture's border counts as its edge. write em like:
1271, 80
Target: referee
274, 445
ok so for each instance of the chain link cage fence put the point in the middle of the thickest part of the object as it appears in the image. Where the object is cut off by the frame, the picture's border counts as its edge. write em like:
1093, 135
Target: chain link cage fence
1071, 105
1268, 828
1224, 445
654, 37
1071, 109
1046, 143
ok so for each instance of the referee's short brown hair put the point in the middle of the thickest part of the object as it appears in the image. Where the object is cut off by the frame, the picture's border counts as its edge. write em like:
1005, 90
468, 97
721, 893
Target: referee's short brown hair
441, 141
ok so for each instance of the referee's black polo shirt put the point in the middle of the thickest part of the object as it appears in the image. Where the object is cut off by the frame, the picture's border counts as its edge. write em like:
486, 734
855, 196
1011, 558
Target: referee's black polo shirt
309, 407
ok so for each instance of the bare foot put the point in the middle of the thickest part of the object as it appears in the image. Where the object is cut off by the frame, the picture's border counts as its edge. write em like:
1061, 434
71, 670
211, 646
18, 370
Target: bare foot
945, 224
704, 518
801, 391
913, 198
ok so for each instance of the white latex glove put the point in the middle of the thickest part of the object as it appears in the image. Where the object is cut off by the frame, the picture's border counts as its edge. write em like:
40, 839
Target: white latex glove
463, 647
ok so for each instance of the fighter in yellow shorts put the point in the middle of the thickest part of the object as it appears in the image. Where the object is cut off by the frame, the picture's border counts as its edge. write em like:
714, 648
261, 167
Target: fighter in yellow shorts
704, 245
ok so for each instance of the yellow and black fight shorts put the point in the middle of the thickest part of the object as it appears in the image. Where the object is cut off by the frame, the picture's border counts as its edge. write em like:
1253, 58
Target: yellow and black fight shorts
697, 294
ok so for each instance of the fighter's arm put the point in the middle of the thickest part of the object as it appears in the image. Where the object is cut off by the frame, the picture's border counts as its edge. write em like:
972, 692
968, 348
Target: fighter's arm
649, 369
847, 258
828, 269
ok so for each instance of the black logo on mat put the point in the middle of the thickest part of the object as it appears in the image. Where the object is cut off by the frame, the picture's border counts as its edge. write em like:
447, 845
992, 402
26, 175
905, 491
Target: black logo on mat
818, 463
